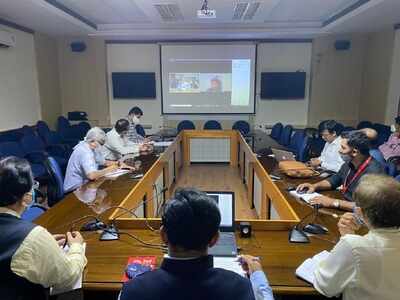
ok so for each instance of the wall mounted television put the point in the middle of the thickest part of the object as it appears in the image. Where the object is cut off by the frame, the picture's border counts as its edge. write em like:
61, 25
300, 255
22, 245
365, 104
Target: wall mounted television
283, 85
134, 85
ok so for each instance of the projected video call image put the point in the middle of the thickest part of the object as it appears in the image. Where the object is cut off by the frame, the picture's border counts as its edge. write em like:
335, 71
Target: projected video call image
184, 83
200, 82
208, 78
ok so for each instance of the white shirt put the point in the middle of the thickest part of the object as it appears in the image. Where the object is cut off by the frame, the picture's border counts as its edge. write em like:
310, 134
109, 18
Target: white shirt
362, 267
117, 146
330, 157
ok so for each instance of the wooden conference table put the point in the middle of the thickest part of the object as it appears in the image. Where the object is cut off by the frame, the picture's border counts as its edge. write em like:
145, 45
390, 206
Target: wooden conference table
107, 259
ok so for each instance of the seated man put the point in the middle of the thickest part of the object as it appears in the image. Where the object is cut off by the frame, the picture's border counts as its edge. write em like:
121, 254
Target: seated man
133, 117
366, 267
117, 144
391, 148
330, 158
85, 160
31, 259
190, 224
354, 149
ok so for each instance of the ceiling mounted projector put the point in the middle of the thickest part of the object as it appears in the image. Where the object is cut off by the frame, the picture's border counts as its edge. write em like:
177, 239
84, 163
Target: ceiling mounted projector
205, 12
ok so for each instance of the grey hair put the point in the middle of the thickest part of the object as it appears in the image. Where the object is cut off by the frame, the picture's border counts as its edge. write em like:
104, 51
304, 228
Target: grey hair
95, 134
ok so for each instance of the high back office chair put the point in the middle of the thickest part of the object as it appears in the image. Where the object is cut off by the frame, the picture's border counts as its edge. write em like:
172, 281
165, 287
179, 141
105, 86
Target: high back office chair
34, 147
55, 189
242, 126
390, 168
286, 135
212, 125
296, 141
276, 131
185, 125
15, 149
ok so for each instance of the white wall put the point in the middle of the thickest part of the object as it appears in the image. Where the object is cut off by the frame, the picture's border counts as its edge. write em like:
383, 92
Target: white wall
48, 77
394, 82
19, 91
135, 58
376, 75
337, 80
283, 57
83, 84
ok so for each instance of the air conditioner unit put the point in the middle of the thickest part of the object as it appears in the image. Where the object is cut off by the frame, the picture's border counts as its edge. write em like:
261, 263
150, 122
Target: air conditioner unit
7, 39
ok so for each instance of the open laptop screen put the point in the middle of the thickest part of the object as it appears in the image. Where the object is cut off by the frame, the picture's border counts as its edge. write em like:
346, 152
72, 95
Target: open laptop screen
226, 205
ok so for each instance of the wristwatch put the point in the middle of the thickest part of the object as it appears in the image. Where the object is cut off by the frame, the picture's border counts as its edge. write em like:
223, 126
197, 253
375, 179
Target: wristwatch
336, 204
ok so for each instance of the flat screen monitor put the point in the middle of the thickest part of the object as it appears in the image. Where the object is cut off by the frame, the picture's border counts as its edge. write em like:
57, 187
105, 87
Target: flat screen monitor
283, 85
226, 205
137, 85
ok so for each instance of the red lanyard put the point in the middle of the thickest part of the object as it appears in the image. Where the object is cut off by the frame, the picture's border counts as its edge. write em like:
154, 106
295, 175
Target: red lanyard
358, 173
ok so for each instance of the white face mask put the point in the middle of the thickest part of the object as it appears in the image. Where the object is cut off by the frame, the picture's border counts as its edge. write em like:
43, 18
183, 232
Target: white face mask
135, 120
393, 128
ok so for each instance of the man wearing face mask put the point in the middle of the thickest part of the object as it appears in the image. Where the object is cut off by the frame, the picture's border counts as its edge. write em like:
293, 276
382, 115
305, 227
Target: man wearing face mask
330, 158
87, 157
117, 144
354, 150
134, 116
31, 259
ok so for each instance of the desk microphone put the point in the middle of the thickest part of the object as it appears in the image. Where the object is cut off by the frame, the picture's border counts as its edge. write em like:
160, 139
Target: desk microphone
111, 232
297, 233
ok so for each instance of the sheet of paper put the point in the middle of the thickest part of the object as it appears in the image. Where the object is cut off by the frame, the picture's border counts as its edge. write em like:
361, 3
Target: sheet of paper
77, 284
305, 197
229, 263
307, 268
163, 144
117, 173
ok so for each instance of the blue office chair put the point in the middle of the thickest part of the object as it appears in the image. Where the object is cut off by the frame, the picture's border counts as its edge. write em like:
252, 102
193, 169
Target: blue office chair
185, 125
296, 141
27, 130
286, 135
42, 128
33, 212
83, 128
304, 150
242, 126
140, 130
364, 124
55, 188
15, 149
276, 131
70, 134
35, 148
212, 125
389, 167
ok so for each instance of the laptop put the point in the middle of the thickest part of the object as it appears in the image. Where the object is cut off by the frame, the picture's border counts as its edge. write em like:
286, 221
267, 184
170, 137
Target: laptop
282, 155
226, 244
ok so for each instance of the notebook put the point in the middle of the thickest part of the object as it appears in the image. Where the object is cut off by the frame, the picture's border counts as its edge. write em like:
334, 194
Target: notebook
306, 270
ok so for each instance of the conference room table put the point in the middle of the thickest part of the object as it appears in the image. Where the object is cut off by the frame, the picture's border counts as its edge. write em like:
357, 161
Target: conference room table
107, 259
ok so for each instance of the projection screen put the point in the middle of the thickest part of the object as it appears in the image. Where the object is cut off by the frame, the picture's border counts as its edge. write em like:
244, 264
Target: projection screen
208, 78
